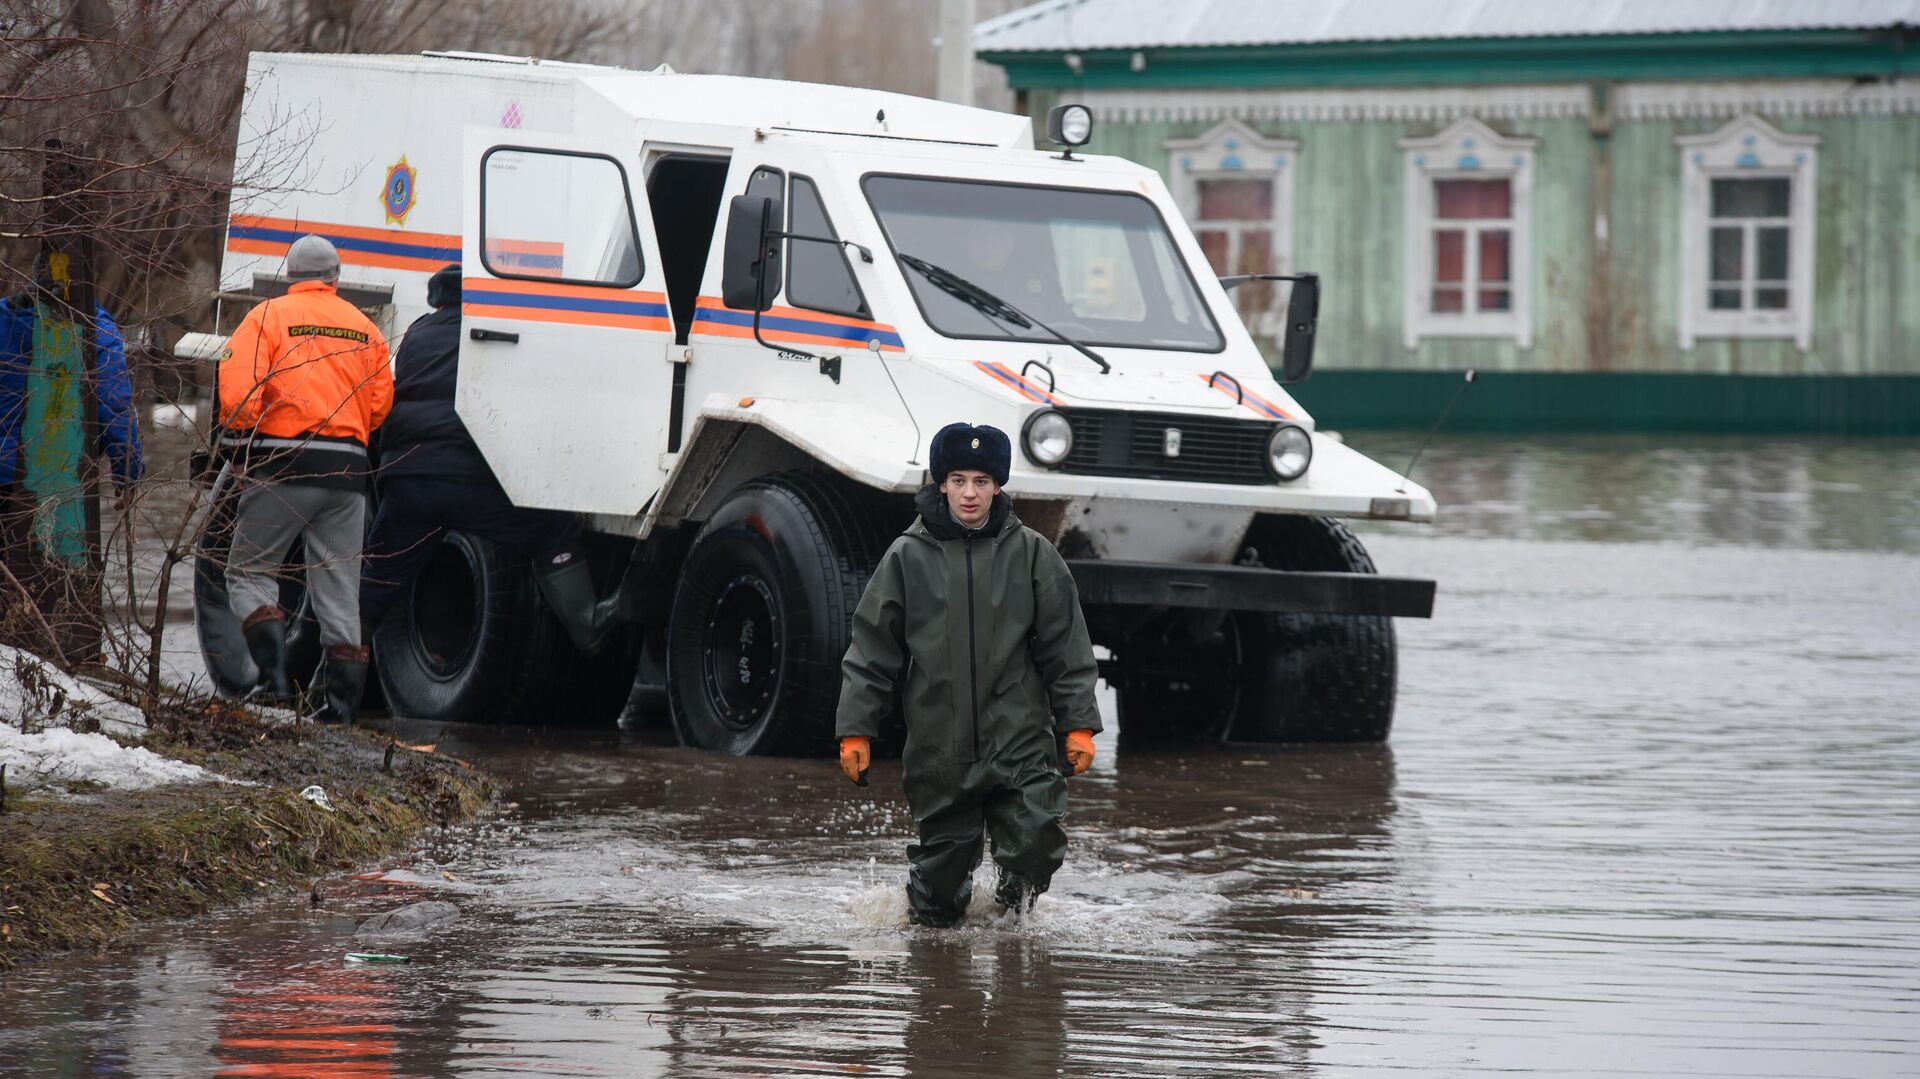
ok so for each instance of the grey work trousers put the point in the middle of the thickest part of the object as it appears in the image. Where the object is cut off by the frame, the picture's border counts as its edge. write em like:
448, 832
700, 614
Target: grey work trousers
333, 524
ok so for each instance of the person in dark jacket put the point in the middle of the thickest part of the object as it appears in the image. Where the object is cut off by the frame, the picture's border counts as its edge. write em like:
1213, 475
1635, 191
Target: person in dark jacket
973, 621
432, 478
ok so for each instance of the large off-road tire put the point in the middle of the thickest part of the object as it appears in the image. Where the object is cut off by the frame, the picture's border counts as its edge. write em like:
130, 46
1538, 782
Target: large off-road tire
223, 648
762, 615
460, 641
1262, 677
1313, 677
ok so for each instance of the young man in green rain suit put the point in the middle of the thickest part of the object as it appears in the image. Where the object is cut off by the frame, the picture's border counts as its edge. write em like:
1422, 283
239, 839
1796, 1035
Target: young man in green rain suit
973, 618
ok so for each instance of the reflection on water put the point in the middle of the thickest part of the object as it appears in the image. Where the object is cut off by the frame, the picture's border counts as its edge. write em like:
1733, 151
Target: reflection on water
1826, 493
649, 910
1649, 809
316, 1020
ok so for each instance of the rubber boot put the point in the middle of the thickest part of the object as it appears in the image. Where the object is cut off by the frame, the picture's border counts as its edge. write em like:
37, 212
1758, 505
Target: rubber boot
335, 697
266, 634
646, 702
1015, 892
567, 587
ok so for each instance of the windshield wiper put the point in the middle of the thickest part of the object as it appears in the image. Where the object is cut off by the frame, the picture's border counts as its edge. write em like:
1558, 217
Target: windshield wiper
993, 306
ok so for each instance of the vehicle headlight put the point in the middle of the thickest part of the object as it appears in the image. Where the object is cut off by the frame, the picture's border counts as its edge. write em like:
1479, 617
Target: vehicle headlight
1048, 438
1289, 452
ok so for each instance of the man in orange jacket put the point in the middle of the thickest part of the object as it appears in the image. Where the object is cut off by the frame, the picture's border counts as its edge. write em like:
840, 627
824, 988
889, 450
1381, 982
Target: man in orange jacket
303, 382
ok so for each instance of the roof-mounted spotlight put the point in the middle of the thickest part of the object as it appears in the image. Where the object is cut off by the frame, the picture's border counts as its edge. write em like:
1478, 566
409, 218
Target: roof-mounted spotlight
1069, 126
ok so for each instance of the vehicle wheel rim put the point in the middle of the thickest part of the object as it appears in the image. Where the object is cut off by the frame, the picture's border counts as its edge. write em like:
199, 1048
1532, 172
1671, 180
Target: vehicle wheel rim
443, 608
741, 652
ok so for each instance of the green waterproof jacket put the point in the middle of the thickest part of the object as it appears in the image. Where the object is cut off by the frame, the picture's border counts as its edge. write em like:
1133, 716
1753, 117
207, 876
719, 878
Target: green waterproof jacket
981, 634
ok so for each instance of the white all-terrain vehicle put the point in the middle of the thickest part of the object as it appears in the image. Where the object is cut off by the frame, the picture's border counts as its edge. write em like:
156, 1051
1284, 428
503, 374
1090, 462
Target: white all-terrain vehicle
721, 317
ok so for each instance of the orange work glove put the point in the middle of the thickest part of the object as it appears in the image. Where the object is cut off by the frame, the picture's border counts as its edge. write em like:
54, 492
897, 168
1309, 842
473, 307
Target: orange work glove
1080, 750
856, 753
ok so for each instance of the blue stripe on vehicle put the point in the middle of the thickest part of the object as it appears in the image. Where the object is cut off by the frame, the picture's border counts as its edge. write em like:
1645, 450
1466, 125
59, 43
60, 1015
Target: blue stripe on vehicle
856, 334
1009, 380
608, 306
1262, 406
347, 243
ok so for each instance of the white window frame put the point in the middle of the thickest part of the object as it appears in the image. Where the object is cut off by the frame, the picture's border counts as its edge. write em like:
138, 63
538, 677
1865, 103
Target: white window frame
1747, 148
1466, 150
1231, 150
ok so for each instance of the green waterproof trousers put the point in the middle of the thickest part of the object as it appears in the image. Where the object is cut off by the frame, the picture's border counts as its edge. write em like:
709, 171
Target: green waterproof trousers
1018, 802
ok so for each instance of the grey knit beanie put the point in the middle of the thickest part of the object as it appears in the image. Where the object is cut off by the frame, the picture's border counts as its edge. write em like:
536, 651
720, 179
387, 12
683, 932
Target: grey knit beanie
312, 258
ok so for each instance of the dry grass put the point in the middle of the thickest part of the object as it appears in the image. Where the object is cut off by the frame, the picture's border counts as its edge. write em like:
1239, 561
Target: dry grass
74, 873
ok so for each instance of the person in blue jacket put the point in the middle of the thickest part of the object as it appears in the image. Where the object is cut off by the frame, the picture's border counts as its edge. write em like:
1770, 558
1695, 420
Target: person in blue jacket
41, 430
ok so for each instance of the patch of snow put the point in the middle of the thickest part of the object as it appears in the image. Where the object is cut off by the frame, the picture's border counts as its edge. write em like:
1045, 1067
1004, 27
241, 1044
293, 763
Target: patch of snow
39, 697
59, 755
35, 694
178, 415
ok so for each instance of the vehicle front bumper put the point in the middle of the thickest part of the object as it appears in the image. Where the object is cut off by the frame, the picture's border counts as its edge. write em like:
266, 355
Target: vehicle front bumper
1248, 588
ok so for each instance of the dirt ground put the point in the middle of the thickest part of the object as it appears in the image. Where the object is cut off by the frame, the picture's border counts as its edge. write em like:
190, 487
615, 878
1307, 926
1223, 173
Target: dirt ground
78, 869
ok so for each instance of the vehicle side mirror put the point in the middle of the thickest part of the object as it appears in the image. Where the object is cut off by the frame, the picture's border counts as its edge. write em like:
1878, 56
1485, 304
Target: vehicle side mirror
750, 266
1303, 313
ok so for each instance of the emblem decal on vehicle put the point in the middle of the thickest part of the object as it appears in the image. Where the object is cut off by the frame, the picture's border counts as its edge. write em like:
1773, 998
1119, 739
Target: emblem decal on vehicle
1170, 444
396, 195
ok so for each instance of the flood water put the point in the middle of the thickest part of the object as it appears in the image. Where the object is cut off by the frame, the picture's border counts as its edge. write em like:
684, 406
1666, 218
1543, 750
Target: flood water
1651, 807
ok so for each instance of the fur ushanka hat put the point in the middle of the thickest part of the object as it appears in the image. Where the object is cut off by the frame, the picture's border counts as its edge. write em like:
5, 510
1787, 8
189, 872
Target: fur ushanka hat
962, 445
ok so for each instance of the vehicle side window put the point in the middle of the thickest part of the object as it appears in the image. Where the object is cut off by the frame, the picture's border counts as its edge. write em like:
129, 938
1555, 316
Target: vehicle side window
819, 276
555, 215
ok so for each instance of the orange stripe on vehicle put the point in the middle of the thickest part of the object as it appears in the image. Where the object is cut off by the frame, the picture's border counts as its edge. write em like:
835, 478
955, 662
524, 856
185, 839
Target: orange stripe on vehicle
256, 247
1021, 386
715, 329
710, 315
436, 239
560, 288
348, 257
394, 249
1031, 385
777, 311
567, 318
1252, 401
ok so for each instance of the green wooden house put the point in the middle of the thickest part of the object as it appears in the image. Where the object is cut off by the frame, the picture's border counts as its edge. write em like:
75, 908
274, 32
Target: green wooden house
1628, 214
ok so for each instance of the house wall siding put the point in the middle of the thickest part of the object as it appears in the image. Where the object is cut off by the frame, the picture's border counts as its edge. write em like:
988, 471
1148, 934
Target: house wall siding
1348, 222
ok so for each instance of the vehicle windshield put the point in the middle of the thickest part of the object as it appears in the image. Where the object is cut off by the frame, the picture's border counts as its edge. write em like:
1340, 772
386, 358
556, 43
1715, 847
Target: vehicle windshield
1099, 266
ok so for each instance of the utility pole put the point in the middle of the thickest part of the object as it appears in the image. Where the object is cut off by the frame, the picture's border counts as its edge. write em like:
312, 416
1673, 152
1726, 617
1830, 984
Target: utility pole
955, 79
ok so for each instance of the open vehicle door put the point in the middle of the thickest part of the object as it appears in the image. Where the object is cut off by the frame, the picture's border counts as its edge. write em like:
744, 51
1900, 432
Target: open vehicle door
564, 378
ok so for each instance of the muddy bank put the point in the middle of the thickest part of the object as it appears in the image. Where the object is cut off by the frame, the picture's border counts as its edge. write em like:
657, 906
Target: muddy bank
76, 870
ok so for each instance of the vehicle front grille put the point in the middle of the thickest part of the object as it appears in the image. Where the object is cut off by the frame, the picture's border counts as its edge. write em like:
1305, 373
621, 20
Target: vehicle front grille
1114, 442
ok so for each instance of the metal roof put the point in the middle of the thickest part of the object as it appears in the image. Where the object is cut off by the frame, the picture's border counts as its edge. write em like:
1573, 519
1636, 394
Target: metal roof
1071, 25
